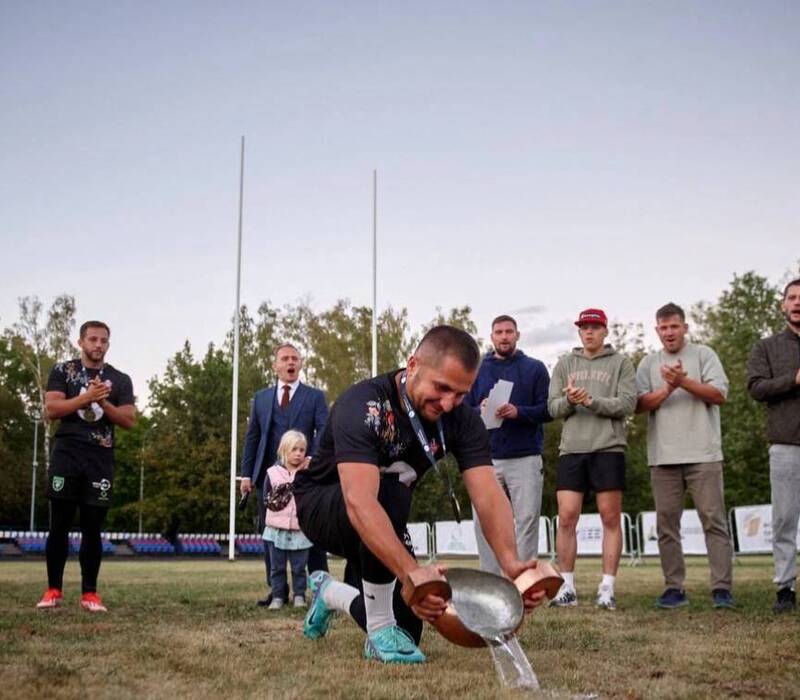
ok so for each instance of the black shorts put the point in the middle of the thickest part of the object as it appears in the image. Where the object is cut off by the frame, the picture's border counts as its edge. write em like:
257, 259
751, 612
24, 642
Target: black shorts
591, 471
84, 474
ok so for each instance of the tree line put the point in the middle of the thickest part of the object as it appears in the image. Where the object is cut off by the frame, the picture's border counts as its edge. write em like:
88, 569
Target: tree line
182, 443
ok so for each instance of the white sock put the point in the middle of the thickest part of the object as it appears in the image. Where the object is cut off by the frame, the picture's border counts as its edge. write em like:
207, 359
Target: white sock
569, 578
378, 604
338, 596
608, 581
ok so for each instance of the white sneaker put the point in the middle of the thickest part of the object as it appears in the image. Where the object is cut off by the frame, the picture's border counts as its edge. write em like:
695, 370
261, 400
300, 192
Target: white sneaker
605, 598
299, 601
276, 604
565, 598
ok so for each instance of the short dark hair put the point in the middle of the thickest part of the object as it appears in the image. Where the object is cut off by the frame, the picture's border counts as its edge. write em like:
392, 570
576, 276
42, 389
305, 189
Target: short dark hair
793, 283
670, 309
443, 340
282, 346
94, 324
504, 318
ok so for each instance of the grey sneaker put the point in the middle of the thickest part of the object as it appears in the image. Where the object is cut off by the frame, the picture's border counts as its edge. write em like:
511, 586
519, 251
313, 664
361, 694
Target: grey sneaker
299, 601
276, 604
565, 598
605, 598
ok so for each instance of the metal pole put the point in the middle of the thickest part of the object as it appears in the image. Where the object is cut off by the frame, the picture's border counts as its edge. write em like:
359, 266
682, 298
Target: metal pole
141, 488
374, 273
235, 400
33, 470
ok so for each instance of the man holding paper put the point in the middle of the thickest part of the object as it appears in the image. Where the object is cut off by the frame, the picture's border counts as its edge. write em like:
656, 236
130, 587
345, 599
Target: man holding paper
511, 393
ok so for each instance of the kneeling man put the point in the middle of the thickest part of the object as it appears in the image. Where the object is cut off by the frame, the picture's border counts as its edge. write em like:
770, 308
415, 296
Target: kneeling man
354, 500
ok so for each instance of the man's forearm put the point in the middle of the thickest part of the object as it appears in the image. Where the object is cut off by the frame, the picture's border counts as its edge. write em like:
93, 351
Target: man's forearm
58, 408
653, 399
123, 416
705, 392
497, 525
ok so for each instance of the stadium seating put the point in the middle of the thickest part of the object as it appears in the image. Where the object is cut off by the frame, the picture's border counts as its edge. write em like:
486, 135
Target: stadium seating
249, 544
198, 545
150, 545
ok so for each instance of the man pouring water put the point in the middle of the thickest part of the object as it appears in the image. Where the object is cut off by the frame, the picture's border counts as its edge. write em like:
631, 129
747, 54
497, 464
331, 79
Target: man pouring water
355, 498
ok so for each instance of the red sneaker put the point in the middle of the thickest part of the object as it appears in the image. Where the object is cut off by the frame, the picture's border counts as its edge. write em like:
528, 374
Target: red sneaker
51, 599
92, 603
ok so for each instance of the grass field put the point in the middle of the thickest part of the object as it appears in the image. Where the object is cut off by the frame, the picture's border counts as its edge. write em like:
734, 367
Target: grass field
190, 629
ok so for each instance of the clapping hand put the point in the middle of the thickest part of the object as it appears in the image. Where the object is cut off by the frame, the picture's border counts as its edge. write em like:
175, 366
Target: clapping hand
673, 374
577, 395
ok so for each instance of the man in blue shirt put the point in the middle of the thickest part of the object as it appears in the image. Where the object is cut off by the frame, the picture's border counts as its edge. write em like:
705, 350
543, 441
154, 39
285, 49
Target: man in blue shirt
517, 444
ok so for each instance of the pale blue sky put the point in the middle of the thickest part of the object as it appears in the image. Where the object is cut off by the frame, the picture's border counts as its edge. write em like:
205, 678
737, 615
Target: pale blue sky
533, 154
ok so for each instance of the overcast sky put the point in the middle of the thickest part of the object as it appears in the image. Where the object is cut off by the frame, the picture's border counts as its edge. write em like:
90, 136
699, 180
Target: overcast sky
533, 158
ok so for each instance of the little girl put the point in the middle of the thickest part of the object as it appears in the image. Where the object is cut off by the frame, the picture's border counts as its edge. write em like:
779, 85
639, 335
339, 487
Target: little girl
282, 533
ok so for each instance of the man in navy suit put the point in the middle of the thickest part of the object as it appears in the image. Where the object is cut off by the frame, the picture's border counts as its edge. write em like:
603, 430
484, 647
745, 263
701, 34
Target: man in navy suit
289, 405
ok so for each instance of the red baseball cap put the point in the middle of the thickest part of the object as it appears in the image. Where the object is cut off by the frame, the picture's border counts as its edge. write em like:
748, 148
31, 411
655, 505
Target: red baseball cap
592, 316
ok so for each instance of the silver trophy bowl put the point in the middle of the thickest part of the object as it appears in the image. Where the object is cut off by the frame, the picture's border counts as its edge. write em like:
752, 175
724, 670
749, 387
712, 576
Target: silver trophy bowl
488, 605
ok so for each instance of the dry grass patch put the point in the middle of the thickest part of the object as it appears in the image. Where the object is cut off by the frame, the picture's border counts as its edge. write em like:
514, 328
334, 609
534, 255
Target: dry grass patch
190, 629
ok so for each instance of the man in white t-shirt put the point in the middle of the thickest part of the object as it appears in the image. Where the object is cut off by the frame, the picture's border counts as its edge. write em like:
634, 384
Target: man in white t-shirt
682, 387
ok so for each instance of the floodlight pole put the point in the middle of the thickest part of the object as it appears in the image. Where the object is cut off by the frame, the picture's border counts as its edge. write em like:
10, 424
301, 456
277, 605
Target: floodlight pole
34, 465
235, 400
141, 487
374, 273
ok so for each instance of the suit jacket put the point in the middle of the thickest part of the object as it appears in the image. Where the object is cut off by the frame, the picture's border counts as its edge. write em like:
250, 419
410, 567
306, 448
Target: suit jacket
308, 412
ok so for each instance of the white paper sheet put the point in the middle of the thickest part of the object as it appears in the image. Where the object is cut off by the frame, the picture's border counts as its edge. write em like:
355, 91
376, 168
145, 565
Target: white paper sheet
499, 395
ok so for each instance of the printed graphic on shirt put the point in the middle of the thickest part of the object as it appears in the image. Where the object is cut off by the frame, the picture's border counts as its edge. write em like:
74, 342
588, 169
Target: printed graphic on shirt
89, 424
590, 375
380, 417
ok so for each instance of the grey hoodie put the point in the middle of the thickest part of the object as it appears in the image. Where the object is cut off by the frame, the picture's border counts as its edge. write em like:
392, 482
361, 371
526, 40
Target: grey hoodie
611, 382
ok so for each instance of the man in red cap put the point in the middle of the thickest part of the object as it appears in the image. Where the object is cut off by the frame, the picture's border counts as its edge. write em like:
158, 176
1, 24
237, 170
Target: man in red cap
594, 390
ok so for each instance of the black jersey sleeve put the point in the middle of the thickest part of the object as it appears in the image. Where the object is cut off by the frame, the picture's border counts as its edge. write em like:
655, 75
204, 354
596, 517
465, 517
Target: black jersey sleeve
470, 442
357, 419
125, 396
57, 380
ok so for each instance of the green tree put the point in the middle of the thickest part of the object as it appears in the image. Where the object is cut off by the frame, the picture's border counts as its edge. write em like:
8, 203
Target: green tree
42, 342
17, 405
187, 448
744, 313
431, 502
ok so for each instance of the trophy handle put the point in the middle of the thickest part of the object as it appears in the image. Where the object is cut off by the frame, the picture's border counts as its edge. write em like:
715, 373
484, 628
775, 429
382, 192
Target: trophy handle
545, 577
422, 582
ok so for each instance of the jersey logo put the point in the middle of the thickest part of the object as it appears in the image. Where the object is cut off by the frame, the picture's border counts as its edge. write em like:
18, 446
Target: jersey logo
58, 483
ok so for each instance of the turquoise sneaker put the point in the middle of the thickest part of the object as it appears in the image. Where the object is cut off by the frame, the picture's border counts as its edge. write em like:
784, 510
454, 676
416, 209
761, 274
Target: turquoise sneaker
392, 645
318, 617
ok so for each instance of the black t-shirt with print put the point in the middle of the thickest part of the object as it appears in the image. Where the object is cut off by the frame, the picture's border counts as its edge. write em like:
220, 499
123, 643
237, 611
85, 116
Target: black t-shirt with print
367, 424
88, 425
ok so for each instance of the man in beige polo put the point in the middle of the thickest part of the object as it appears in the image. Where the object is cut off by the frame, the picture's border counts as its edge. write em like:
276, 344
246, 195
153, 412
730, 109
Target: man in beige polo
682, 387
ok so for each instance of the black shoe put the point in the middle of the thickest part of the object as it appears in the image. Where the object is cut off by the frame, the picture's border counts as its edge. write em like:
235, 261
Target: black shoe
785, 601
722, 598
265, 602
672, 598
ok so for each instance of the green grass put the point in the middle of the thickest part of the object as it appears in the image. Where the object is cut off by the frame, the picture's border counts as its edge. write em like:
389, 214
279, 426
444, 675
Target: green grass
190, 629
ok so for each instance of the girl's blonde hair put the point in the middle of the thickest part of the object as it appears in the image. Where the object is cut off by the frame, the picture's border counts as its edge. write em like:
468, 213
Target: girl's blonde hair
290, 440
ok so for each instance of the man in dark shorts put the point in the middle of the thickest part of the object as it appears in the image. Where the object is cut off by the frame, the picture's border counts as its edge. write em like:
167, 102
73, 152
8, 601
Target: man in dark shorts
355, 498
90, 397
594, 390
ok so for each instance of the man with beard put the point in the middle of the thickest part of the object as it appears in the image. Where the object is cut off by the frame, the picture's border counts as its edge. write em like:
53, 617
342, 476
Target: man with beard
90, 397
289, 405
354, 500
517, 444
682, 387
773, 376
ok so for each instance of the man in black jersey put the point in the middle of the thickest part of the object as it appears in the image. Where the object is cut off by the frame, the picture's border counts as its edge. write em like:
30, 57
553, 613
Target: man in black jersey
90, 397
354, 500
